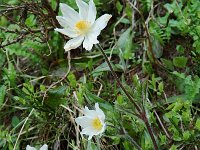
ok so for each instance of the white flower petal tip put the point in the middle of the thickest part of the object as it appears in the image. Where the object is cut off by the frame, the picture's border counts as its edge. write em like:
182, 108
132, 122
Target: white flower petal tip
28, 147
93, 121
73, 43
44, 147
81, 24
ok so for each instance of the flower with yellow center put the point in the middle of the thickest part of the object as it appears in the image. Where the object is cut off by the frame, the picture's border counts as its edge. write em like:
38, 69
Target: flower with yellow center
82, 27
93, 121
44, 147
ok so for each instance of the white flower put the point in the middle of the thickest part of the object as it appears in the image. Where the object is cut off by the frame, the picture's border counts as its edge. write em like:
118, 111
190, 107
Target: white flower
81, 27
93, 121
44, 147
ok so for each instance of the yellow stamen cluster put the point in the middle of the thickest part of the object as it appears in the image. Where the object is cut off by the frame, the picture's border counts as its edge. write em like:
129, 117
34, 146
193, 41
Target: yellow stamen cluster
82, 26
96, 124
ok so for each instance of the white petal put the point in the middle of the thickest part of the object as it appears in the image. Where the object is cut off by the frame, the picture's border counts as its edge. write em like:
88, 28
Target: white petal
63, 22
89, 131
87, 44
100, 113
96, 132
90, 137
28, 147
74, 43
83, 121
92, 36
90, 40
83, 9
103, 128
67, 32
92, 12
69, 13
44, 147
101, 22
89, 113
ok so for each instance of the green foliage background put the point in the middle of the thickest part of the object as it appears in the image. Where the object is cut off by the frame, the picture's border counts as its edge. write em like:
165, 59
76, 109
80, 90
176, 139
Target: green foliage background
42, 89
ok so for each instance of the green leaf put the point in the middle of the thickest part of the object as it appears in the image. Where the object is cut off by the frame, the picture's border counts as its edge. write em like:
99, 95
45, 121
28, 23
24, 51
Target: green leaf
125, 43
91, 146
103, 67
167, 63
120, 99
58, 91
10, 73
157, 47
160, 87
3, 21
119, 7
92, 98
2, 58
186, 135
180, 49
55, 102
72, 80
30, 21
180, 61
15, 121
2, 94
173, 147
197, 125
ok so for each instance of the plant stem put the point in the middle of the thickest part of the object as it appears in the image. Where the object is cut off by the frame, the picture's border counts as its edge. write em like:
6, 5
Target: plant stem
146, 121
127, 136
142, 114
98, 142
119, 82
22, 128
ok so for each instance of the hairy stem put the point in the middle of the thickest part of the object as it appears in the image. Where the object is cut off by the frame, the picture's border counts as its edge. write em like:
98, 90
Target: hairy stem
142, 114
119, 82
146, 121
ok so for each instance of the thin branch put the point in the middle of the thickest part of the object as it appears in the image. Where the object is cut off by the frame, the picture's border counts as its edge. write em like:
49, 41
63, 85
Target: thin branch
57, 6
131, 139
22, 128
119, 82
142, 114
51, 12
13, 42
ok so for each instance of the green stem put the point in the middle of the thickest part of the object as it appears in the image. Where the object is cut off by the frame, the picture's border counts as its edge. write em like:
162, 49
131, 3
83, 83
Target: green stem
98, 142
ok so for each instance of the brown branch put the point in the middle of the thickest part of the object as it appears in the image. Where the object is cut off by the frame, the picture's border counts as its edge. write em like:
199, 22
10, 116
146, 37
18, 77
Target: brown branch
51, 12
119, 82
23, 34
13, 42
146, 121
57, 6
142, 114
